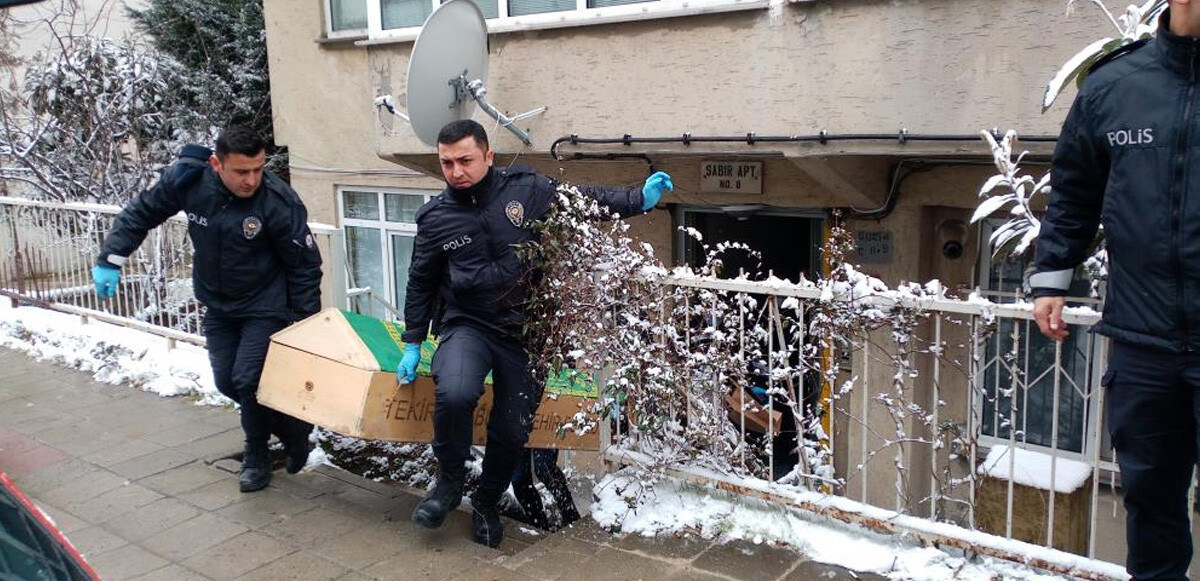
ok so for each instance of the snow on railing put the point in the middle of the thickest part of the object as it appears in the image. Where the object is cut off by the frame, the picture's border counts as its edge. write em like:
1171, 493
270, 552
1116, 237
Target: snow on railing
47, 251
939, 381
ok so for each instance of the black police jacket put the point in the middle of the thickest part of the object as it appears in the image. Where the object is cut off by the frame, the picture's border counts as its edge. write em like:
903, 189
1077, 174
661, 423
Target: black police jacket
1126, 158
464, 254
252, 256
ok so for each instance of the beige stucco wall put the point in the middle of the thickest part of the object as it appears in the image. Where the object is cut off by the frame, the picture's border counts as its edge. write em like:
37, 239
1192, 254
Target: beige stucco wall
931, 66
321, 99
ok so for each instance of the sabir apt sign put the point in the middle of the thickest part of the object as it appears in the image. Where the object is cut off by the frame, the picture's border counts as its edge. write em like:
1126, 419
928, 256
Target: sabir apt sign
731, 177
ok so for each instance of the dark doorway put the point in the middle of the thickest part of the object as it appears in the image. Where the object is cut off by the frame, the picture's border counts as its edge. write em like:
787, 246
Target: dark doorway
788, 245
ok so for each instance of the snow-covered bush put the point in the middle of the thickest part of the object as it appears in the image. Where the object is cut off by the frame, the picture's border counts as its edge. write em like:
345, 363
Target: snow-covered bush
680, 351
94, 121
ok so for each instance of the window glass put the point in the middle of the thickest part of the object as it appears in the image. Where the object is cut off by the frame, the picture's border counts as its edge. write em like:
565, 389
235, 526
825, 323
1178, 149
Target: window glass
402, 207
603, 3
1034, 363
361, 205
365, 254
522, 7
347, 14
403, 13
490, 8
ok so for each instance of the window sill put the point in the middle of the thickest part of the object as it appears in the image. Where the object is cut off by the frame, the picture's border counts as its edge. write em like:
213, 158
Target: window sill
589, 17
342, 38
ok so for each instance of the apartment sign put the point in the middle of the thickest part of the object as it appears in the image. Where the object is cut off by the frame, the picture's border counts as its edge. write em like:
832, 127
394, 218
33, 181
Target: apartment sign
731, 177
874, 246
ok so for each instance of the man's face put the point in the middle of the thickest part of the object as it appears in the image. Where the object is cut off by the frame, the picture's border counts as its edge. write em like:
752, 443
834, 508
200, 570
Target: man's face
464, 162
242, 174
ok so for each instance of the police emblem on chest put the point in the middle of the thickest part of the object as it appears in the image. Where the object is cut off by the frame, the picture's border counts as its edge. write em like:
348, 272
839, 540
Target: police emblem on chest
515, 212
251, 227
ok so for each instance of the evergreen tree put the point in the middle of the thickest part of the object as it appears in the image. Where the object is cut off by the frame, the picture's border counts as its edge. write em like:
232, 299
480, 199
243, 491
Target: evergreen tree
222, 45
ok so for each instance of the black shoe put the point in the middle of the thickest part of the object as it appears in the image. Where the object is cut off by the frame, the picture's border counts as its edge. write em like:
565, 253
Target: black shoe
569, 515
256, 470
296, 453
486, 525
446, 495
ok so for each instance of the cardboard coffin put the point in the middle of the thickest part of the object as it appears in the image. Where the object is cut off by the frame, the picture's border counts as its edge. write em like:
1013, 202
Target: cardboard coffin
337, 370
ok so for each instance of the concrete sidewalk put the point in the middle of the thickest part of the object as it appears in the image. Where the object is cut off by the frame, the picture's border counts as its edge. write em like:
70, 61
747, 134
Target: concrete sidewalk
145, 488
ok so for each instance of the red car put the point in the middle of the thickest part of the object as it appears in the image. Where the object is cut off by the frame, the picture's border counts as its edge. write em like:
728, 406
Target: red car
31, 548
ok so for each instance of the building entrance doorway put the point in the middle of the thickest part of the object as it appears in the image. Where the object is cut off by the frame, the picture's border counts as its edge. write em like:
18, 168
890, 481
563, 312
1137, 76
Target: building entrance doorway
785, 244
788, 243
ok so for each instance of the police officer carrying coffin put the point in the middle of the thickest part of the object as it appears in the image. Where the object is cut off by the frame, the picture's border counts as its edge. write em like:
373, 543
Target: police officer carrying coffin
1125, 157
256, 268
464, 256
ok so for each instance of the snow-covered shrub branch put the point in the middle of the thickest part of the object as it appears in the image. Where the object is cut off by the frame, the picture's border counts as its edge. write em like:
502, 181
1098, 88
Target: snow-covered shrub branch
93, 122
1013, 190
1135, 24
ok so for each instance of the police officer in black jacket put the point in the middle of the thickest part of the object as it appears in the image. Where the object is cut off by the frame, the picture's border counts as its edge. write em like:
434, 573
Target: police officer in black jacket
464, 258
256, 268
1125, 158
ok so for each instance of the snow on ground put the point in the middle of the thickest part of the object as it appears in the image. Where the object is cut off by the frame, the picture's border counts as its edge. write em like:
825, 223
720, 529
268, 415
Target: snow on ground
112, 354
116, 355
677, 507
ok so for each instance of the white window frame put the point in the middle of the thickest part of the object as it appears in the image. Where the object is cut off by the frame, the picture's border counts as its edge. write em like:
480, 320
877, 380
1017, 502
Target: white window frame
385, 227
580, 16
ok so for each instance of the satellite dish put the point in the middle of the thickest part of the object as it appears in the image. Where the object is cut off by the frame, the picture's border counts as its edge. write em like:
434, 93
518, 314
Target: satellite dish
446, 72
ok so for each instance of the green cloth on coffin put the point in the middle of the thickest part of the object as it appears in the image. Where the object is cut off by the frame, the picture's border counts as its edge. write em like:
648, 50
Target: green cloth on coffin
382, 338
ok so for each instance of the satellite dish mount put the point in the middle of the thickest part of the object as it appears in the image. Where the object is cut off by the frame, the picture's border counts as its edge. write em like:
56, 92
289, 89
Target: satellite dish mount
446, 72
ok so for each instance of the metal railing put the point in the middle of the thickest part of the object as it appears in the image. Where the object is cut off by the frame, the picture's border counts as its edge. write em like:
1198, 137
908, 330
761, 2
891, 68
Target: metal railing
907, 422
47, 251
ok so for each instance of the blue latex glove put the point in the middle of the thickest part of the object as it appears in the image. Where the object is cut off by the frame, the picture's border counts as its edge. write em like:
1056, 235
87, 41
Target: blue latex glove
106, 279
653, 189
407, 370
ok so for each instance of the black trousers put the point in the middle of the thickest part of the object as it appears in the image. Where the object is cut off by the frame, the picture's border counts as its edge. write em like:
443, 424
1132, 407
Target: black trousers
237, 349
464, 357
543, 463
1153, 411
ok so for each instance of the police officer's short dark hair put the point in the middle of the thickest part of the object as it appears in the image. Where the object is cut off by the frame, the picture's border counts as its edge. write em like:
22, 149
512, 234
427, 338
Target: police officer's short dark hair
240, 139
454, 131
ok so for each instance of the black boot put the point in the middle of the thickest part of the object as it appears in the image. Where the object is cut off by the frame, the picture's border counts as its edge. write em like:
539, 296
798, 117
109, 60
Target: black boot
446, 495
256, 469
296, 449
485, 523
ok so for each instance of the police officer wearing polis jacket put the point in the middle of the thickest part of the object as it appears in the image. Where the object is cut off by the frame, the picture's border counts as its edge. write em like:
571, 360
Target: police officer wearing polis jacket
1129, 157
256, 268
464, 258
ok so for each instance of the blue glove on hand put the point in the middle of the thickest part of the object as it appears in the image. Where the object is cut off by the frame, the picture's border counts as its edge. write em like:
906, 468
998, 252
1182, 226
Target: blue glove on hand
407, 370
653, 189
106, 279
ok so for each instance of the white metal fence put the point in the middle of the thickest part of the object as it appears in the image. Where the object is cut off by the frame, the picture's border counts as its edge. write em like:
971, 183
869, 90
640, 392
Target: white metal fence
907, 422
47, 251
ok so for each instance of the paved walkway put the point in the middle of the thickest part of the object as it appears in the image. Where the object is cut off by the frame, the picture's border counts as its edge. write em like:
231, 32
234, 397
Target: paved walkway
145, 488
